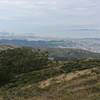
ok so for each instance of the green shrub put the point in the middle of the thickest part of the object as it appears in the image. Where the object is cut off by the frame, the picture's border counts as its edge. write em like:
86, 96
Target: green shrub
20, 60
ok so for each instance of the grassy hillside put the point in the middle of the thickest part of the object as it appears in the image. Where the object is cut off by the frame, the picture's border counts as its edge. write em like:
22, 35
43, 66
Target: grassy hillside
29, 75
78, 85
5, 47
70, 53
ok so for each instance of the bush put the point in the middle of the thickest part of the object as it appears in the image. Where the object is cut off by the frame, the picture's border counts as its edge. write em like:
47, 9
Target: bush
81, 64
20, 60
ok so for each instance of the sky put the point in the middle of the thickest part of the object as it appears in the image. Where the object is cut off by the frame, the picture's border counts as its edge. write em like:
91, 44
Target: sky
63, 18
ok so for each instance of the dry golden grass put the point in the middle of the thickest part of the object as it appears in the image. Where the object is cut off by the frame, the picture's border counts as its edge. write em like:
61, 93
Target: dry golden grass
79, 85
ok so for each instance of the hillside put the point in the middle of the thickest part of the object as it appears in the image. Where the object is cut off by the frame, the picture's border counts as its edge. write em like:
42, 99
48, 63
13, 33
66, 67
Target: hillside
5, 47
27, 74
65, 54
60, 54
76, 84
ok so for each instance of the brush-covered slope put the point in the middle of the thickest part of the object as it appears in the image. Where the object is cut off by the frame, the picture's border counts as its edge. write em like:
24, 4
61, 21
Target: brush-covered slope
75, 80
20, 60
65, 54
59, 54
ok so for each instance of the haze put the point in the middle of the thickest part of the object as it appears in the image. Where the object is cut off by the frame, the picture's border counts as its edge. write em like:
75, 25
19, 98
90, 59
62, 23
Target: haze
63, 18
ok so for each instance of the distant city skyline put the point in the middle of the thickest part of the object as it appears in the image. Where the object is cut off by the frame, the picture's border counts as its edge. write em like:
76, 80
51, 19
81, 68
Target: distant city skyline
51, 18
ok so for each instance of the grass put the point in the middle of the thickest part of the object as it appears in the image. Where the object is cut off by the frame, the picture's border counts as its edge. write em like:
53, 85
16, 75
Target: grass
79, 88
83, 86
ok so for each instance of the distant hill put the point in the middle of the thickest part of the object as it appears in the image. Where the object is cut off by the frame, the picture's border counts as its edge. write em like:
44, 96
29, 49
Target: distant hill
5, 47
90, 44
71, 54
59, 54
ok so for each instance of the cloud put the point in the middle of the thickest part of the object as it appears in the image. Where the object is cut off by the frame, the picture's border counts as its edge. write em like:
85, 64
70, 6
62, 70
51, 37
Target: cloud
49, 14
47, 6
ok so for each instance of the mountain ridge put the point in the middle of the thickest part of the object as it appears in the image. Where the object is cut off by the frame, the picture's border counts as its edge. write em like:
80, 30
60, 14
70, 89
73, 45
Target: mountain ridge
90, 44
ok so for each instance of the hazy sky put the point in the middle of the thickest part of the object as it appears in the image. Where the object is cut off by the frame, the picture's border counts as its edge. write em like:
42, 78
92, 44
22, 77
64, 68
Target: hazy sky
51, 17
